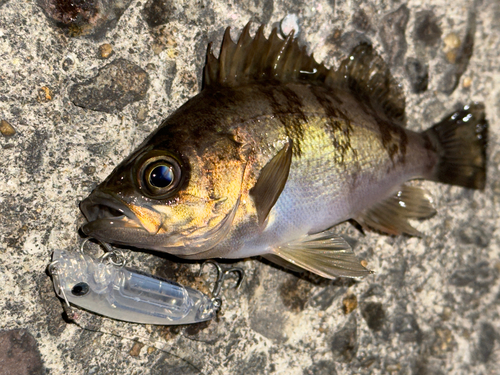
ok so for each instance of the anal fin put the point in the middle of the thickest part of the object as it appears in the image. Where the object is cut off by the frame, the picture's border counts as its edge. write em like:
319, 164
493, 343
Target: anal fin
324, 254
391, 215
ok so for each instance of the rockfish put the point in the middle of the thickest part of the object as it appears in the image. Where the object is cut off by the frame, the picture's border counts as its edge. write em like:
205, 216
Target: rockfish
277, 149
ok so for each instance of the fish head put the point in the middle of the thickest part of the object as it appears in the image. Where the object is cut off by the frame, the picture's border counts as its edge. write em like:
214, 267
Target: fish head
178, 193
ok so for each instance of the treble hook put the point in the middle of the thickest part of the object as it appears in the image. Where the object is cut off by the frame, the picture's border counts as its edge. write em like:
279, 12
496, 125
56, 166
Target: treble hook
114, 256
221, 277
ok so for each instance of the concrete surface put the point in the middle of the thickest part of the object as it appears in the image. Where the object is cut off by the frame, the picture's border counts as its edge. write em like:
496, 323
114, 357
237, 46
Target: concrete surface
433, 305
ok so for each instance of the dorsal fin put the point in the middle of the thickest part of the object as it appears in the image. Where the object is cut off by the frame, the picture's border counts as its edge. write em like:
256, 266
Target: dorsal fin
260, 59
365, 73
275, 60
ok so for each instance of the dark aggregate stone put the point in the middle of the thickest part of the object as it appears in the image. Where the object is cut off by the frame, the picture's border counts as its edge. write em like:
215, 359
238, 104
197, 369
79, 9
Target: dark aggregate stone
421, 366
158, 12
324, 299
91, 18
347, 41
67, 64
255, 365
100, 149
116, 85
427, 28
266, 309
392, 32
295, 293
170, 72
89, 170
452, 76
19, 353
345, 341
170, 364
477, 235
35, 152
67, 12
407, 327
478, 276
374, 290
361, 21
374, 314
262, 9
418, 74
486, 342
321, 368
52, 306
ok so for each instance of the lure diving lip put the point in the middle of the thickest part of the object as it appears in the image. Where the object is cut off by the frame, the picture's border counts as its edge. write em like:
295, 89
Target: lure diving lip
106, 287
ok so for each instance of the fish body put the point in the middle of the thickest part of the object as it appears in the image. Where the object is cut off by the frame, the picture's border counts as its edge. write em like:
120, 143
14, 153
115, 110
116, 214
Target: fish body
124, 293
277, 149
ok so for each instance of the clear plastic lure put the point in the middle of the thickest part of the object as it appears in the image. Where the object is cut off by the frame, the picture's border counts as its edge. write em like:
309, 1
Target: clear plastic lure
106, 287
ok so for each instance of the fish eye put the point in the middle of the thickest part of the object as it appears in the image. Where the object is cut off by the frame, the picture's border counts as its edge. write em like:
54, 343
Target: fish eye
160, 175
80, 289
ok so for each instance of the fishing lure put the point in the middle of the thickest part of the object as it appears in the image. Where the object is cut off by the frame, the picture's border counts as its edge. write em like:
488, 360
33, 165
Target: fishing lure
105, 286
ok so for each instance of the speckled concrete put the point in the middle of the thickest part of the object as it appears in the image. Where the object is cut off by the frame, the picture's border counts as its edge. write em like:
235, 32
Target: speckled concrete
433, 305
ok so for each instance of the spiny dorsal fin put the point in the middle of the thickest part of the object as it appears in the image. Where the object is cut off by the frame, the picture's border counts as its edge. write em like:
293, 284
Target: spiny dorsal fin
260, 59
275, 60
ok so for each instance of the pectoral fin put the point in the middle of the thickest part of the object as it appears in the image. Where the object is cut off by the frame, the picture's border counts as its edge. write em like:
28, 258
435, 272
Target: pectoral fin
323, 254
271, 182
392, 214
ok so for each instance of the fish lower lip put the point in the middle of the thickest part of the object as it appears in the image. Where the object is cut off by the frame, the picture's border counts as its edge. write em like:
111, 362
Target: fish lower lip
103, 210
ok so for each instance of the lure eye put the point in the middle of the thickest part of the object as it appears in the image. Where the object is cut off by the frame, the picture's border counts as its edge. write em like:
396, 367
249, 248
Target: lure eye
80, 289
160, 176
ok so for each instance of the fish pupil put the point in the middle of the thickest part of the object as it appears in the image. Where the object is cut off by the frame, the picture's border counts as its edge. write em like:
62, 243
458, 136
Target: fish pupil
161, 176
80, 289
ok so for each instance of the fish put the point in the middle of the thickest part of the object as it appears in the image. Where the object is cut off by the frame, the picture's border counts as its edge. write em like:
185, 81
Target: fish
126, 294
275, 151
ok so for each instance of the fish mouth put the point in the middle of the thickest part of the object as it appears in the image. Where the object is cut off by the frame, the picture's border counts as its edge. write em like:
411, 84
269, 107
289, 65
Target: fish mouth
106, 212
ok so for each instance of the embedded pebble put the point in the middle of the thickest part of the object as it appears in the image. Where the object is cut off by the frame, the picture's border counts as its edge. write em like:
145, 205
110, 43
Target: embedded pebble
136, 349
6, 129
44, 94
116, 85
443, 341
84, 17
451, 41
288, 24
458, 53
467, 82
105, 50
350, 302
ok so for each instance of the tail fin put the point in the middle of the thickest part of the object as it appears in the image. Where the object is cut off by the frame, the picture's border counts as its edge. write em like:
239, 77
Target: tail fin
460, 141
